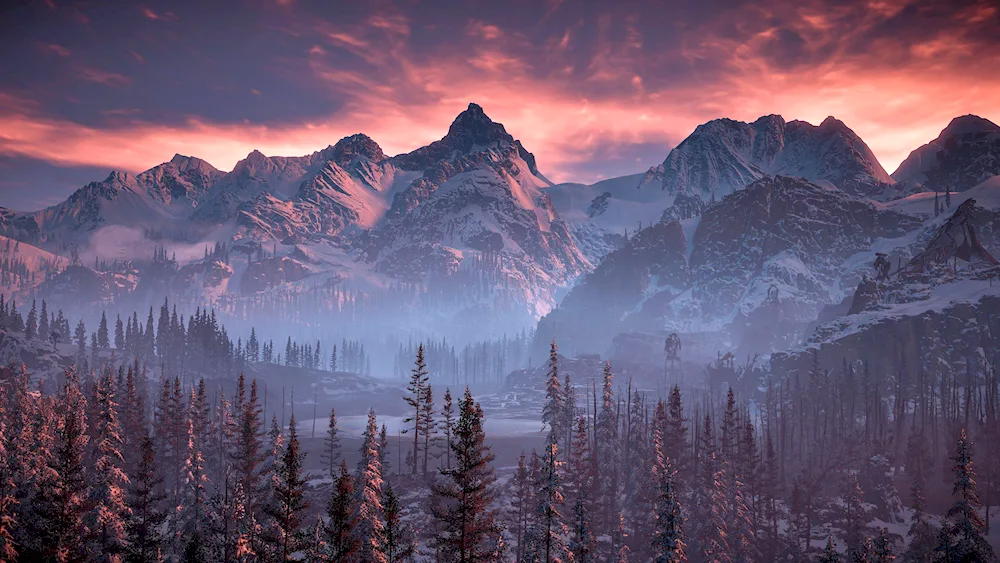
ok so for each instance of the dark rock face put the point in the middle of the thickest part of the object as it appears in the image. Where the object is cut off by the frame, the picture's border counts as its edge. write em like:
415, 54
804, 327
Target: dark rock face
966, 153
349, 148
270, 272
778, 231
685, 206
865, 297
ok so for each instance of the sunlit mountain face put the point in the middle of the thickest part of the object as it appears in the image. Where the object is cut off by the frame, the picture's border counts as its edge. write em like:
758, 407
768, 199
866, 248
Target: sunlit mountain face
514, 282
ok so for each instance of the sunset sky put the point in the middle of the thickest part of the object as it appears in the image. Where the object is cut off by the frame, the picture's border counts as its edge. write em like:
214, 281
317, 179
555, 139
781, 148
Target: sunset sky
594, 89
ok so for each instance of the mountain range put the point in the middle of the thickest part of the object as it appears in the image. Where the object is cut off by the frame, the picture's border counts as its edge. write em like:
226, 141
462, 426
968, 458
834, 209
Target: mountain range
696, 241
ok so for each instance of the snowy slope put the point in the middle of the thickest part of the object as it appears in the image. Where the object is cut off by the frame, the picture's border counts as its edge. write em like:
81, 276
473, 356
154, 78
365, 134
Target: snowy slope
724, 155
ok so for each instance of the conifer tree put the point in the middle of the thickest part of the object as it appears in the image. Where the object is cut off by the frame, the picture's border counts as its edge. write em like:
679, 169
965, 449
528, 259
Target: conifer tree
546, 541
397, 543
583, 544
31, 326
668, 540
119, 335
607, 451
922, 534
830, 554
554, 411
192, 514
415, 399
962, 535
428, 426
447, 425
102, 333
340, 536
367, 512
520, 504
108, 481
147, 513
8, 499
288, 499
63, 503
882, 548
460, 504
44, 330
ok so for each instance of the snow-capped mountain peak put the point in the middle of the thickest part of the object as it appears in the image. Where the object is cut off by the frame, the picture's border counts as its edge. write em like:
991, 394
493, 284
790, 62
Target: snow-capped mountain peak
966, 153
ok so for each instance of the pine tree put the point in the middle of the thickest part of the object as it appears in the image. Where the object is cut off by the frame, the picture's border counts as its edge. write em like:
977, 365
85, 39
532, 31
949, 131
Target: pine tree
331, 446
583, 544
668, 540
44, 330
830, 554
248, 454
367, 511
520, 504
102, 333
340, 536
288, 500
716, 546
855, 517
415, 399
31, 327
427, 425
192, 514
146, 515
383, 450
460, 504
397, 544
64, 485
882, 548
553, 411
962, 535
607, 453
119, 335
447, 425
8, 488
108, 481
546, 541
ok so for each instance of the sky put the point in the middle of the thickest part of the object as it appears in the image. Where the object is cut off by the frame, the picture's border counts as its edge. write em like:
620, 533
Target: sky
593, 89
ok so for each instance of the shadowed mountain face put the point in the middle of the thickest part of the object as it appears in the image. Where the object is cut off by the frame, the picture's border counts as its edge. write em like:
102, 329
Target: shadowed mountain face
966, 153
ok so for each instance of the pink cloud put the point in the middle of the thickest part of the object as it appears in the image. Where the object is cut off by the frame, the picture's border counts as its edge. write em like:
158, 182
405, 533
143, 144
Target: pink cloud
55, 49
165, 16
102, 76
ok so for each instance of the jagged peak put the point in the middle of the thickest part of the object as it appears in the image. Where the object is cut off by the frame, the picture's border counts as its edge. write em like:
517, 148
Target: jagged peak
357, 144
473, 127
968, 124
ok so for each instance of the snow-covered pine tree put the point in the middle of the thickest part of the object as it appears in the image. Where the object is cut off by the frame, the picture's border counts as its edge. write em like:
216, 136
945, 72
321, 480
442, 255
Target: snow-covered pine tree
147, 511
415, 399
830, 554
248, 453
102, 333
288, 499
383, 450
962, 534
547, 543
467, 527
192, 511
675, 434
667, 538
553, 411
316, 550
608, 457
579, 487
855, 517
340, 536
8, 499
63, 486
882, 548
108, 509
367, 512
715, 541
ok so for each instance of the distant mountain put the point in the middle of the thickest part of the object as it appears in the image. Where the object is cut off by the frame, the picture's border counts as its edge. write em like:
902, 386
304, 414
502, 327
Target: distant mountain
966, 153
713, 271
724, 155
474, 201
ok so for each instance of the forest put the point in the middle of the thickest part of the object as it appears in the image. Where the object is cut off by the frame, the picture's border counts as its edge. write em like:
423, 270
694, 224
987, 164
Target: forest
120, 461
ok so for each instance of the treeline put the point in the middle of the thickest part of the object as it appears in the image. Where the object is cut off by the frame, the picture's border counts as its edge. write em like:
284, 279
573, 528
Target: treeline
485, 362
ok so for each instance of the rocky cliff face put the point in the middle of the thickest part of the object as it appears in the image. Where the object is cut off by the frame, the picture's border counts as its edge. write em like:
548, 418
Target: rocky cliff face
779, 234
966, 153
